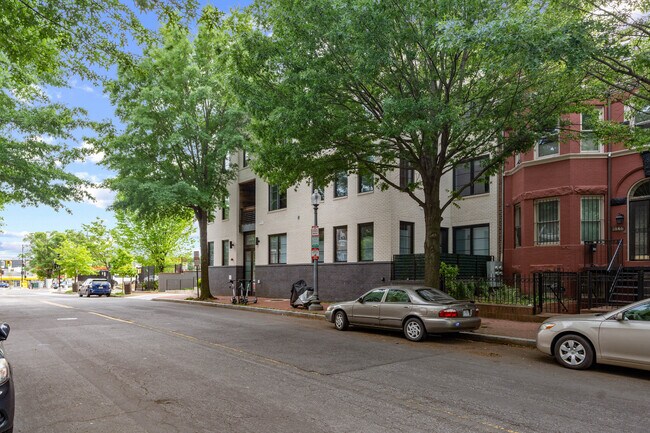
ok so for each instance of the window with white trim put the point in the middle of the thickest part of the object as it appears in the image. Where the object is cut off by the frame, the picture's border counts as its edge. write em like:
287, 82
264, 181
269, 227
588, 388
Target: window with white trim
547, 221
591, 218
549, 144
588, 121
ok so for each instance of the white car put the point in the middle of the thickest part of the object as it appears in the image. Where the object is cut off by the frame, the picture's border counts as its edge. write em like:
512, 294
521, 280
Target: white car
620, 337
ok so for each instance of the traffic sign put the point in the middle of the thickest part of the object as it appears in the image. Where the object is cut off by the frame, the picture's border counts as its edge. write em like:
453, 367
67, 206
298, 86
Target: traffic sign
315, 254
314, 231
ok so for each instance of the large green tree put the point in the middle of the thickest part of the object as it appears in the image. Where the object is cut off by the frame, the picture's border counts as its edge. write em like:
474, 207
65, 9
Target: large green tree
181, 123
43, 44
74, 259
98, 240
42, 252
155, 239
358, 85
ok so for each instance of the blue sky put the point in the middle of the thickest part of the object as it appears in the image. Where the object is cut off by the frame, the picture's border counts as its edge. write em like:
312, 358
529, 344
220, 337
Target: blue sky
19, 221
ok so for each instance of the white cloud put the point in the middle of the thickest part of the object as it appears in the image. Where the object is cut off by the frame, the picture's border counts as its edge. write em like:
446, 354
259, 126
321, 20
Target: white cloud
87, 88
95, 158
104, 197
11, 243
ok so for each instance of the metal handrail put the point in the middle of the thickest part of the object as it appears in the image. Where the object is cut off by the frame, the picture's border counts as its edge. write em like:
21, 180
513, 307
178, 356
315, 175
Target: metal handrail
611, 263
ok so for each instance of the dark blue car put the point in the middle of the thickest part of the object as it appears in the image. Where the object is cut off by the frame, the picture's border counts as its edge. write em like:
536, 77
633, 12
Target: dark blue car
6, 387
95, 287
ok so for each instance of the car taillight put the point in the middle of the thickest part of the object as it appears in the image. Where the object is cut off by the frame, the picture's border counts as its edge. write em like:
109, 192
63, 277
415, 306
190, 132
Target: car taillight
449, 312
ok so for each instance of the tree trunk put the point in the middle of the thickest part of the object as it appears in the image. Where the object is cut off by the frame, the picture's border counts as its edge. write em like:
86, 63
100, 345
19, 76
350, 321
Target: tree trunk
432, 221
202, 219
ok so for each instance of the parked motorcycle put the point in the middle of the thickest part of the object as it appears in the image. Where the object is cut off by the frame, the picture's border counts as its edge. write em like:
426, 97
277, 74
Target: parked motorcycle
302, 295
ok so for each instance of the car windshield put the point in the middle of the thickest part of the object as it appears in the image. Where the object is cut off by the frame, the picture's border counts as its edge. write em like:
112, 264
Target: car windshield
434, 295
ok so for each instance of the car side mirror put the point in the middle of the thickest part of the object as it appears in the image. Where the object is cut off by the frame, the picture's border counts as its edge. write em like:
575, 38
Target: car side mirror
620, 317
4, 331
360, 300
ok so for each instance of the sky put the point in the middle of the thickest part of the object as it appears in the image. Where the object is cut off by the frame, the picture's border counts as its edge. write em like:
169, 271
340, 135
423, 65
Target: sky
20, 221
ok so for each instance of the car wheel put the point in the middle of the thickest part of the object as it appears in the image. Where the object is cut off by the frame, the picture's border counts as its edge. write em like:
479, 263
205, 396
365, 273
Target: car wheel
574, 351
414, 329
80, 295
341, 320
108, 294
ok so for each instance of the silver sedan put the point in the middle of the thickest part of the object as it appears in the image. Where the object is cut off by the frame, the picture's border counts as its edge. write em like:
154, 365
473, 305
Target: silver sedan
620, 337
417, 310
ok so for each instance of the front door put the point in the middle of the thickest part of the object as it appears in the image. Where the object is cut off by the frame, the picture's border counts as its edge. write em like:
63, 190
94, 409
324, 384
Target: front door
249, 256
639, 225
367, 312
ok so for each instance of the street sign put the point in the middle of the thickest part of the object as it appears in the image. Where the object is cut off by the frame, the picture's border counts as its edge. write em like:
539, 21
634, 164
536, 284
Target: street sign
197, 258
314, 231
315, 254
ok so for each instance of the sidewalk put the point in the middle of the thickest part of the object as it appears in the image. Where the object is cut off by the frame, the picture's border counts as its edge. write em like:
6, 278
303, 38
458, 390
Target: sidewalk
491, 330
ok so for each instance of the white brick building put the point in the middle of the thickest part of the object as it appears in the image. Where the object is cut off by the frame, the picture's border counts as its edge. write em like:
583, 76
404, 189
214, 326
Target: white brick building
266, 235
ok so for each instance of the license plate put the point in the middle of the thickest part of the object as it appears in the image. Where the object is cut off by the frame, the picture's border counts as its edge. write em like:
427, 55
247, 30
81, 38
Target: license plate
467, 313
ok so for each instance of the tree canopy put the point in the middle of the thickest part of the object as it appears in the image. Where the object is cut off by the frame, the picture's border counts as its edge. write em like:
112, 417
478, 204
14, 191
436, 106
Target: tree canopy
43, 45
156, 240
347, 86
181, 124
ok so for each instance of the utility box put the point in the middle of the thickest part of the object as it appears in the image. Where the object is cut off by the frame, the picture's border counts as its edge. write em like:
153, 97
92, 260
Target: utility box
494, 273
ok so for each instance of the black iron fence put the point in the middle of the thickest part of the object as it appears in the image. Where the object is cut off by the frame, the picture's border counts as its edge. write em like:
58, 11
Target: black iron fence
546, 292
411, 266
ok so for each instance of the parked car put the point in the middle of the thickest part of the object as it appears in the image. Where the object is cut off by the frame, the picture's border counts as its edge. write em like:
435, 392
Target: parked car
6, 387
95, 286
417, 310
4, 284
620, 337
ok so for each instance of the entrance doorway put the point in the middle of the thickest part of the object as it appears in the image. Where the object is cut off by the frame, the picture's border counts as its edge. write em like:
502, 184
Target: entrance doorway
639, 230
249, 255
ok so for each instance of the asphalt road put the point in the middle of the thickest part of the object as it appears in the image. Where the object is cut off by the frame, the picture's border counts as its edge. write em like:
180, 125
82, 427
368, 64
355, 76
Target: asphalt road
135, 365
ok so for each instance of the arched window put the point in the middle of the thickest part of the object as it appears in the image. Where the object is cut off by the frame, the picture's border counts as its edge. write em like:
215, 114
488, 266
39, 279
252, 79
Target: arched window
639, 220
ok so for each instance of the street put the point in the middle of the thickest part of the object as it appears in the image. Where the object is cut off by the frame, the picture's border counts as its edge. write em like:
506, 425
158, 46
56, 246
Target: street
137, 365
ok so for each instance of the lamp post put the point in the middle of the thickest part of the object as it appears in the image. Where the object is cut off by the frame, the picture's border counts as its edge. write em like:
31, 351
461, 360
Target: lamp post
315, 252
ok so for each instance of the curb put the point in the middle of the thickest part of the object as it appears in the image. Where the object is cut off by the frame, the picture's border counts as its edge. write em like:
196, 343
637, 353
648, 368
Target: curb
302, 314
488, 338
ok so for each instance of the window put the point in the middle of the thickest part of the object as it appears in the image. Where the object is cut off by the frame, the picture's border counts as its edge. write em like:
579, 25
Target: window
278, 249
517, 225
245, 158
444, 240
588, 140
549, 144
277, 198
366, 181
374, 296
366, 242
591, 219
341, 244
474, 240
225, 252
547, 222
406, 174
225, 210
321, 245
341, 185
640, 312
406, 237
641, 118
210, 253
465, 174
395, 295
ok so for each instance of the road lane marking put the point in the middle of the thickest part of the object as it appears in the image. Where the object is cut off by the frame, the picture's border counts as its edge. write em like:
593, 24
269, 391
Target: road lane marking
57, 305
67, 318
111, 318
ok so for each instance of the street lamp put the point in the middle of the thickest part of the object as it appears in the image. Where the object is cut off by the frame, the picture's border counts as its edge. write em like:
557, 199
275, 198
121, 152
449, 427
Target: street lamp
315, 241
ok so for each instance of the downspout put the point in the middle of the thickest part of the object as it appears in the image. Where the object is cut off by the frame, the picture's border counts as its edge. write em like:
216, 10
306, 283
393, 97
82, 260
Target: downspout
608, 226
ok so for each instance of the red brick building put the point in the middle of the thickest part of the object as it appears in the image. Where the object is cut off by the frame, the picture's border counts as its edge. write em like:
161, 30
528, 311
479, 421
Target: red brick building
568, 202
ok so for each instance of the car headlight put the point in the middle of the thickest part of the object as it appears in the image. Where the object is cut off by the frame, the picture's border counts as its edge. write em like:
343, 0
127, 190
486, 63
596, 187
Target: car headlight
546, 326
4, 370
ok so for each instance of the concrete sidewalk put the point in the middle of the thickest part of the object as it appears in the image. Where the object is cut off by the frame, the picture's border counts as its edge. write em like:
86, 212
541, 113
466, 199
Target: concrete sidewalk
492, 330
